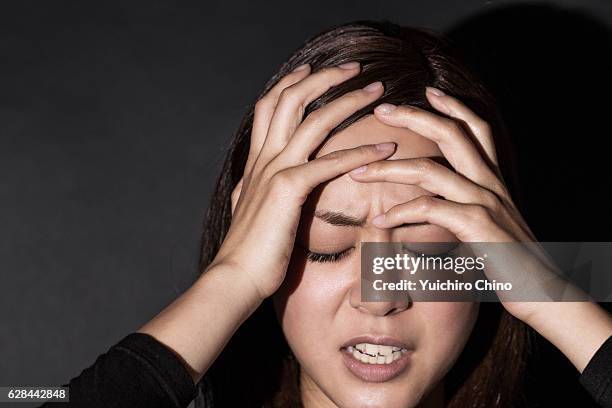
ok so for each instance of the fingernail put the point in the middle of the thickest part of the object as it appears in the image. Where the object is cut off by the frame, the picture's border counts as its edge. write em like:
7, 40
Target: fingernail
439, 104
359, 170
349, 65
300, 68
373, 87
385, 108
434, 91
379, 220
385, 147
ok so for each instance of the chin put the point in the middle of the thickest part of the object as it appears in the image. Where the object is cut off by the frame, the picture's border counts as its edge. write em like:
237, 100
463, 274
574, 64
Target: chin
376, 396
347, 390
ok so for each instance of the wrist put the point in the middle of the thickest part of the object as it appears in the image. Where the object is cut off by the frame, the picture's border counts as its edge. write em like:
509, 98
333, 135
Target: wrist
577, 329
235, 283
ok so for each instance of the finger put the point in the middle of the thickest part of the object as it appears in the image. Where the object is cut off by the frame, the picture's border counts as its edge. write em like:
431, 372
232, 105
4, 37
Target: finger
317, 125
456, 109
430, 175
293, 101
450, 138
468, 222
438, 179
264, 109
333, 164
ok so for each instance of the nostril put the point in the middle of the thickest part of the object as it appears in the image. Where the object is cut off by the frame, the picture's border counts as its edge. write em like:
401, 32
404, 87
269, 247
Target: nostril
390, 312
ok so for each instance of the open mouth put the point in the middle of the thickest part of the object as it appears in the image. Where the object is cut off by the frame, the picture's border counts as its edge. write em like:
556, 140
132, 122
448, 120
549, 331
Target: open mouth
376, 359
369, 353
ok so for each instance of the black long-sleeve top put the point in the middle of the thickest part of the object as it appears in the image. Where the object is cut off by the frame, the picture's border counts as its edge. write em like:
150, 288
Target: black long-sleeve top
139, 371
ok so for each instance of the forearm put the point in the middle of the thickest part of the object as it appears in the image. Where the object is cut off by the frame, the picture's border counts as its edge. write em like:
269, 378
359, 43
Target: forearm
198, 324
577, 329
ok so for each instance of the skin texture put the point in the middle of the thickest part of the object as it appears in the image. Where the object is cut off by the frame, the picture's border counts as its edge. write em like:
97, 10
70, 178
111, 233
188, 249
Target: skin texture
318, 305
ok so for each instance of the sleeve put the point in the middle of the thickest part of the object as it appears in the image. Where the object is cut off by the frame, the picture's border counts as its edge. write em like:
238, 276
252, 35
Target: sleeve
139, 371
597, 375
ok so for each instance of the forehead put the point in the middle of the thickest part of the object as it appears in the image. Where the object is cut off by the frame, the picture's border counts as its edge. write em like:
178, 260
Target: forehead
345, 194
370, 130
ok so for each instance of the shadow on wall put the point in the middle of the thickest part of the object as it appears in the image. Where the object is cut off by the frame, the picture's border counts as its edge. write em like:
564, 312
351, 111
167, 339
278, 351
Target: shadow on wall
550, 69
552, 73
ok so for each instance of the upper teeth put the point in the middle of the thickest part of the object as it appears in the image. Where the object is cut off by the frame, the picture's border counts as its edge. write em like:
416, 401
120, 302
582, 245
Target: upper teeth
376, 353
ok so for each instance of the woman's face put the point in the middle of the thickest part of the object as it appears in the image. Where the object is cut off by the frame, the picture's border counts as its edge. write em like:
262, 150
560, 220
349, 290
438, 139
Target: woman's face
319, 304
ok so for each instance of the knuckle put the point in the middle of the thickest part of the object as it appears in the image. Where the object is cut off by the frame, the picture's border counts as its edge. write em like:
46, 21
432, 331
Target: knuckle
289, 78
491, 200
366, 152
355, 97
268, 171
452, 127
347, 103
500, 188
376, 168
408, 110
480, 213
315, 117
484, 126
289, 94
375, 148
405, 112
424, 165
332, 71
263, 104
334, 158
282, 180
426, 203
332, 75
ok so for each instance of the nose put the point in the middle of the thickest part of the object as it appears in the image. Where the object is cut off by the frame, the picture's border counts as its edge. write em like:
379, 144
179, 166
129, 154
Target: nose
378, 308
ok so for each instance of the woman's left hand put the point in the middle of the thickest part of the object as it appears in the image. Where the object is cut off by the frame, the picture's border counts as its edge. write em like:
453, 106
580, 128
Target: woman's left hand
476, 207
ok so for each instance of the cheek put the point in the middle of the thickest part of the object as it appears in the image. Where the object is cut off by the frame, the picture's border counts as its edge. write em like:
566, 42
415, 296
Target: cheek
309, 299
446, 330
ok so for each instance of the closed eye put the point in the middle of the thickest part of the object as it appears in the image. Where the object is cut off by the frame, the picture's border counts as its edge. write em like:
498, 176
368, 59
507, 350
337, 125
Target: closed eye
323, 258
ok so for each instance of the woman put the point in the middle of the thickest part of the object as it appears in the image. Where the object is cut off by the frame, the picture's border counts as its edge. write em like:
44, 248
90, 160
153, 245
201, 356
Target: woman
369, 132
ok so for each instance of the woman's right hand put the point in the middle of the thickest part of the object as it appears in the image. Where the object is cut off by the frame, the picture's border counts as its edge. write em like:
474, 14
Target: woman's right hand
252, 260
278, 176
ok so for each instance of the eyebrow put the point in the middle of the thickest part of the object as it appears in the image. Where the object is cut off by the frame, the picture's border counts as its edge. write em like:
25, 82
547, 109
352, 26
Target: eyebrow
342, 220
339, 219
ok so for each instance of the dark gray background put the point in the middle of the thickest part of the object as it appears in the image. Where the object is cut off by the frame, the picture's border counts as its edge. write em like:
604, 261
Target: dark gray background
114, 117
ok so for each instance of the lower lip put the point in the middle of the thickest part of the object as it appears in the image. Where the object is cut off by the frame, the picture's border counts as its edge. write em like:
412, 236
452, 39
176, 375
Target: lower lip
375, 372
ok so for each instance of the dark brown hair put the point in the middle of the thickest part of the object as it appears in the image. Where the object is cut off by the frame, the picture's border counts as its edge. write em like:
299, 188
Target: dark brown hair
406, 60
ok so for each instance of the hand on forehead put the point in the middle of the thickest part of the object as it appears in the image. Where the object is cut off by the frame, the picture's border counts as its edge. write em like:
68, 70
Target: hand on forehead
370, 130
343, 193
